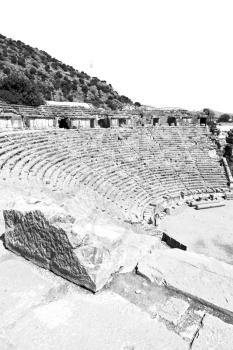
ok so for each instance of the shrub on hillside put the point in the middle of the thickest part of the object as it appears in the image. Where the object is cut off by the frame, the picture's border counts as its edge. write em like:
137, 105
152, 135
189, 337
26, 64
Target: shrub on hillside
113, 104
14, 59
35, 64
125, 99
47, 68
20, 90
6, 70
57, 84
84, 89
54, 65
33, 71
58, 75
224, 118
74, 85
21, 61
4, 52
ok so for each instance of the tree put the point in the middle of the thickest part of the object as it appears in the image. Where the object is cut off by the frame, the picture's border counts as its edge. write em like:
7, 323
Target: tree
21, 61
58, 75
35, 64
4, 52
224, 118
47, 67
6, 70
125, 99
33, 70
14, 59
20, 90
113, 104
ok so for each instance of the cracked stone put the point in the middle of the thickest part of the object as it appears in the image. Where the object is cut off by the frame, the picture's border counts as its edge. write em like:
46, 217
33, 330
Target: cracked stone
172, 311
206, 279
214, 334
86, 255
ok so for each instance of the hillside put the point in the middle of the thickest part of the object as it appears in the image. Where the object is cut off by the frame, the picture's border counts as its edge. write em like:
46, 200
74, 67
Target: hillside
54, 79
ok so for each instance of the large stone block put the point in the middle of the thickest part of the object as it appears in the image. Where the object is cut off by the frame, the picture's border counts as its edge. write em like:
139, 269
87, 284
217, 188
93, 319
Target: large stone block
205, 279
87, 254
36, 238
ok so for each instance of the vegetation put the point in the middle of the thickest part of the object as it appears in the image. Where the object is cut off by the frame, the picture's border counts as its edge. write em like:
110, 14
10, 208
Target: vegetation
20, 90
46, 78
224, 118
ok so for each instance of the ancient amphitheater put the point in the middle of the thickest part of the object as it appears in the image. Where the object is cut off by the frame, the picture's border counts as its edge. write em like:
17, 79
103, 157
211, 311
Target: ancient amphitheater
89, 205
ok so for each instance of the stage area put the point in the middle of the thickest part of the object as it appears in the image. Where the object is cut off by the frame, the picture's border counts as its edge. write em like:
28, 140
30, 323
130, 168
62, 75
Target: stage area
207, 231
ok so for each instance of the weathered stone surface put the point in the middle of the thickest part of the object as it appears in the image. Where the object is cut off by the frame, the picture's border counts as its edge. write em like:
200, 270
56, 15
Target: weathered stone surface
210, 205
22, 287
40, 240
172, 310
40, 310
214, 334
84, 253
91, 322
205, 279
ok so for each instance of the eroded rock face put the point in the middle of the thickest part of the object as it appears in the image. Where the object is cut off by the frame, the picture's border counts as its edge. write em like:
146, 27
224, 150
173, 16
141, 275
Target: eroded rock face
87, 255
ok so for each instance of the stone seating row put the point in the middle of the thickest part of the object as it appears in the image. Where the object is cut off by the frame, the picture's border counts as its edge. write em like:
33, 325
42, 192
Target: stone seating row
129, 168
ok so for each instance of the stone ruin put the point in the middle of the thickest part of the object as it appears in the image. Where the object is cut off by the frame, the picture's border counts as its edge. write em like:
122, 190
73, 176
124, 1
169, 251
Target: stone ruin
81, 115
141, 174
86, 204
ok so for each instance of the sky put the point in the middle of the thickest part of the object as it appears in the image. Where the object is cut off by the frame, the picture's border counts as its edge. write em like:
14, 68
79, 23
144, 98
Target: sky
173, 53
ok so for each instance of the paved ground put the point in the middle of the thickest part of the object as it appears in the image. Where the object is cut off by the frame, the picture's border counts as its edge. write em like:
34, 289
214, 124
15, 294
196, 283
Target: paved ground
41, 311
207, 231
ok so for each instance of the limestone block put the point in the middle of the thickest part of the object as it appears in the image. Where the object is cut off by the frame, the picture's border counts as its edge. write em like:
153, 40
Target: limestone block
87, 255
204, 278
35, 237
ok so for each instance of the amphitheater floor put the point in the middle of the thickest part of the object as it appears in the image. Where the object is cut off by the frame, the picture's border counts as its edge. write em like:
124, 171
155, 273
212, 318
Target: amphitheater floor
207, 231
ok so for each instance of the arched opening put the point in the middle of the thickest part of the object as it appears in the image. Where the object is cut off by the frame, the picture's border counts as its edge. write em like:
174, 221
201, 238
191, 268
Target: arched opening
155, 121
171, 121
64, 123
122, 121
203, 121
92, 123
104, 122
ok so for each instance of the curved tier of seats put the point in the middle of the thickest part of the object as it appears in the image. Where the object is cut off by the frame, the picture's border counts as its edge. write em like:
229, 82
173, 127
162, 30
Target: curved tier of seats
140, 170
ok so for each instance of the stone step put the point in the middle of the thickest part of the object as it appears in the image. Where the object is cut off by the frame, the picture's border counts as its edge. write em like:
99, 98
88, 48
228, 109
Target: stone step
210, 205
